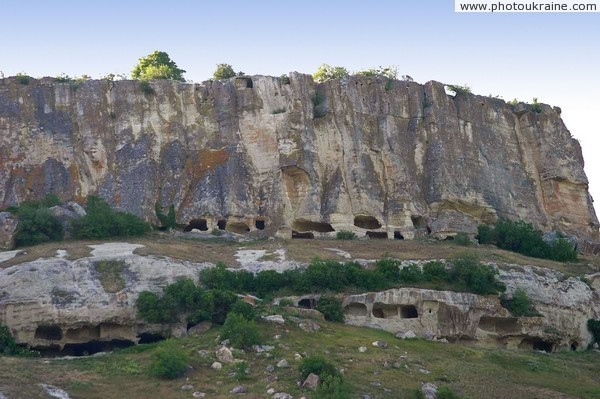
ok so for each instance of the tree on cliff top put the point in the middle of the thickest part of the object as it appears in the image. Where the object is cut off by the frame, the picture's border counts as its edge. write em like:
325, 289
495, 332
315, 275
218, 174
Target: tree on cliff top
157, 65
327, 72
224, 71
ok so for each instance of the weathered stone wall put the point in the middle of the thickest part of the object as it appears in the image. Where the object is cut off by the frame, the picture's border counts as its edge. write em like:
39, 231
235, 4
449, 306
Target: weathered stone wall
404, 157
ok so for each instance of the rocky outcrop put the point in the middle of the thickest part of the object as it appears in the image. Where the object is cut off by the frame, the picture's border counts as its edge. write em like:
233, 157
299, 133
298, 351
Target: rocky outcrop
8, 230
258, 153
60, 304
565, 305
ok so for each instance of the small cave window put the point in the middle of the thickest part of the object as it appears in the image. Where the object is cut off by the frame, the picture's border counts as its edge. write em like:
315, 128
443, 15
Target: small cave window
574, 346
537, 344
449, 238
377, 234
367, 222
50, 333
249, 83
409, 312
307, 303
199, 224
297, 234
260, 224
221, 224
149, 338
238, 227
398, 235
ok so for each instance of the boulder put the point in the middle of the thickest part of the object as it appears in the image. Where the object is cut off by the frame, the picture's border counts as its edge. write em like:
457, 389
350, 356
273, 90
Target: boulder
380, 344
216, 366
311, 381
282, 395
224, 355
8, 230
282, 363
200, 328
276, 318
239, 389
429, 391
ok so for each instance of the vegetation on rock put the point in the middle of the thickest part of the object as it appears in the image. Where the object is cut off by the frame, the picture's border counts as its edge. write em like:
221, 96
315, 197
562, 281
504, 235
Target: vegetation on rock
157, 65
224, 71
326, 72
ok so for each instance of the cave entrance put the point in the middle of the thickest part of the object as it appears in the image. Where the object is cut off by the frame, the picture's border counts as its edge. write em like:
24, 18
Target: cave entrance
574, 346
356, 309
305, 235
50, 333
536, 344
199, 224
409, 312
148, 338
307, 225
384, 310
307, 303
222, 224
398, 235
238, 227
418, 222
377, 234
92, 347
259, 224
366, 222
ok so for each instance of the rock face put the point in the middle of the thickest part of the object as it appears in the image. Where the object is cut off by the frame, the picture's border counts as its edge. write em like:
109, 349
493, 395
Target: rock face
256, 153
565, 303
8, 229
61, 304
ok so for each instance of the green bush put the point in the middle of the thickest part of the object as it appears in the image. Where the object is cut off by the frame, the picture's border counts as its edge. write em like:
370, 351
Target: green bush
390, 72
23, 78
411, 274
244, 308
241, 332
331, 308
102, 222
333, 387
458, 89
157, 65
536, 106
521, 237
224, 71
435, 271
345, 235
462, 239
167, 222
146, 87
241, 371
470, 274
388, 268
285, 79
594, 327
519, 304
169, 362
154, 309
446, 393
37, 225
9, 347
316, 365
326, 72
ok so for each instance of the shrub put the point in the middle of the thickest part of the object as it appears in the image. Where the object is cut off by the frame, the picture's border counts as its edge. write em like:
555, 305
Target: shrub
154, 309
411, 274
446, 393
459, 89
485, 234
102, 222
519, 304
169, 362
9, 347
241, 371
462, 239
331, 308
333, 387
326, 72
388, 268
23, 78
37, 225
435, 271
157, 65
535, 106
594, 327
285, 79
345, 235
390, 72
316, 365
241, 332
146, 87
167, 222
470, 274
244, 309
224, 71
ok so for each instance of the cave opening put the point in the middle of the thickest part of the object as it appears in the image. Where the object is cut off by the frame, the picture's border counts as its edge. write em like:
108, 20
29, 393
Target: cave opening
409, 312
259, 224
49, 332
222, 224
249, 83
307, 303
367, 222
238, 227
377, 234
149, 338
418, 222
305, 235
384, 310
398, 235
574, 345
199, 224
536, 344
356, 309
307, 225
84, 348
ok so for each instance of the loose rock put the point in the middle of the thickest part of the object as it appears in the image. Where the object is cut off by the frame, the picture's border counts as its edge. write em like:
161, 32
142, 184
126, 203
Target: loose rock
380, 344
311, 381
282, 363
239, 389
216, 366
429, 391
224, 355
276, 318
362, 349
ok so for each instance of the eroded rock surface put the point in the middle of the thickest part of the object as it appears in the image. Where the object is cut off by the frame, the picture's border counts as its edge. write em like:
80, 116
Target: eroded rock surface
256, 153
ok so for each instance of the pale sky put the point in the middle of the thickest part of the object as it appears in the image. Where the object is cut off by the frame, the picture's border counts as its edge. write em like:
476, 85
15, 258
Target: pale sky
554, 57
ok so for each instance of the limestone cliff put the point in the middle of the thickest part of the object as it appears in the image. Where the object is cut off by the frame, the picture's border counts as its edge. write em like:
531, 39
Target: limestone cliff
361, 153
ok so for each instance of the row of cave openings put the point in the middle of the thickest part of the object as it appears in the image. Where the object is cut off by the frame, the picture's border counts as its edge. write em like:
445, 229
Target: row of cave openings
379, 311
92, 336
302, 228
222, 224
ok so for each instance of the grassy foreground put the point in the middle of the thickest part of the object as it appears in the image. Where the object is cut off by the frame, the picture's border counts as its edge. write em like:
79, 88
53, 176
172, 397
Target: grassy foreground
395, 372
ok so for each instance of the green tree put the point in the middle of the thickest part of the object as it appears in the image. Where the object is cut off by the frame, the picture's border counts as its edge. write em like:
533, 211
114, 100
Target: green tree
157, 65
331, 307
241, 332
224, 71
327, 72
